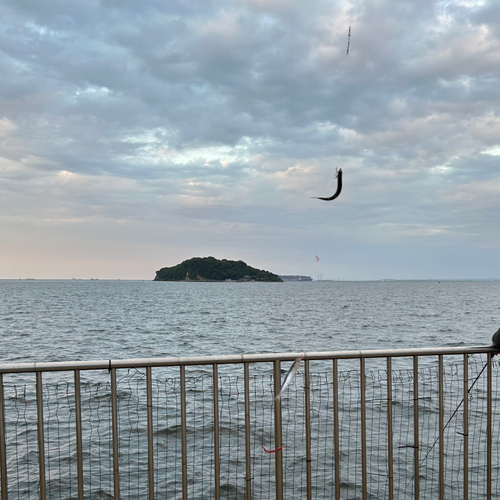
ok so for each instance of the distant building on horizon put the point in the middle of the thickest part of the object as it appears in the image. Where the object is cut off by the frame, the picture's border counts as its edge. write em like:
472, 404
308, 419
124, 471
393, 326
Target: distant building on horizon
295, 277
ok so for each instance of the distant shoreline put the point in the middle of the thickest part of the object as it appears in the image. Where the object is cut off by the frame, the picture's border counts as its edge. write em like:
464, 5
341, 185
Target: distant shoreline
388, 280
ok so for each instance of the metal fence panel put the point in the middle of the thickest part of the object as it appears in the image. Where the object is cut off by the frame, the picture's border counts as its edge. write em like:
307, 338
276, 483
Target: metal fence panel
415, 427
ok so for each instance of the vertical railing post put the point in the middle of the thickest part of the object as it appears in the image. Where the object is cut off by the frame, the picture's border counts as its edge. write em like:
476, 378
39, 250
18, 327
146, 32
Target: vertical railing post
362, 388
248, 457
308, 428
441, 427
278, 456
216, 431
41, 440
489, 434
115, 436
183, 433
466, 426
3, 451
415, 428
149, 404
336, 429
78, 429
390, 445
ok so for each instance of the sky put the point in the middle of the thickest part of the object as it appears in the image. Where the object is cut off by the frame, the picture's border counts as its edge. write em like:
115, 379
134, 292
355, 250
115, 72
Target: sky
136, 135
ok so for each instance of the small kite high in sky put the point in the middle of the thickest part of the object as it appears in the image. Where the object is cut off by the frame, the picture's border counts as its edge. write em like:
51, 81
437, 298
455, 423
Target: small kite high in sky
348, 40
338, 176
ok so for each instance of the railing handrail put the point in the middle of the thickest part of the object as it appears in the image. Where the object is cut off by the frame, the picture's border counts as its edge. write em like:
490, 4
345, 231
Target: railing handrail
242, 358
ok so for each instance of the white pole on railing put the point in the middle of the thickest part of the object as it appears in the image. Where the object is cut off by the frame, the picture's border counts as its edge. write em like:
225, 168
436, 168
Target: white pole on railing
489, 434
115, 436
3, 452
362, 388
308, 428
441, 427
278, 456
215, 378
390, 446
78, 429
248, 456
415, 428
41, 441
149, 404
336, 430
183, 434
466, 426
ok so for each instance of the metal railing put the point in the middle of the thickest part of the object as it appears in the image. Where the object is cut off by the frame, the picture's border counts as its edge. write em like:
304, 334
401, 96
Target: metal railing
341, 430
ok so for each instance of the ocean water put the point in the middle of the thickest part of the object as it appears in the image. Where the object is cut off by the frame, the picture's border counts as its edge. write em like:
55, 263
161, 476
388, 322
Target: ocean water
87, 320
44, 321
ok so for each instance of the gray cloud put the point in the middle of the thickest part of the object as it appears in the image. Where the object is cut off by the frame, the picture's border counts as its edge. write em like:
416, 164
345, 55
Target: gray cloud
226, 116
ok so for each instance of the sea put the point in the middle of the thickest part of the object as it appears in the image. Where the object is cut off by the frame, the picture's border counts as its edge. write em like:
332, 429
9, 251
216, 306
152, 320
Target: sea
44, 321
76, 320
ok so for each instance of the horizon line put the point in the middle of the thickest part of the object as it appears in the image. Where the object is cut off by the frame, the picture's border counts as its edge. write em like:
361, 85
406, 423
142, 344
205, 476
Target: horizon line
317, 280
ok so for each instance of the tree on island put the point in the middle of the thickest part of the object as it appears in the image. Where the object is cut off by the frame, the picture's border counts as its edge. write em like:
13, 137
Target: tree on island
212, 269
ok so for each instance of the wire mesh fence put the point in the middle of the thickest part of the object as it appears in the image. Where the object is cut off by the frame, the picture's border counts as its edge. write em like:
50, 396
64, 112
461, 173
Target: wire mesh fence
196, 478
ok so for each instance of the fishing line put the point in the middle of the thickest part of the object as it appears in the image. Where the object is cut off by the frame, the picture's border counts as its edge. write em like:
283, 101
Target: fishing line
447, 423
455, 412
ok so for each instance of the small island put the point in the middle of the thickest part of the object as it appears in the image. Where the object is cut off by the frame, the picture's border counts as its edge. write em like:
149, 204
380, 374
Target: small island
212, 269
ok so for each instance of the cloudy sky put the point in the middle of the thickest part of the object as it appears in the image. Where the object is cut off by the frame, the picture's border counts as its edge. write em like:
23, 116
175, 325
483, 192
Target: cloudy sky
137, 134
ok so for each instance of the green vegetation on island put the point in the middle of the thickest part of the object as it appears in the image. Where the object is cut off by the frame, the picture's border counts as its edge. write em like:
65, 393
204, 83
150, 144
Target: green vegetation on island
212, 269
